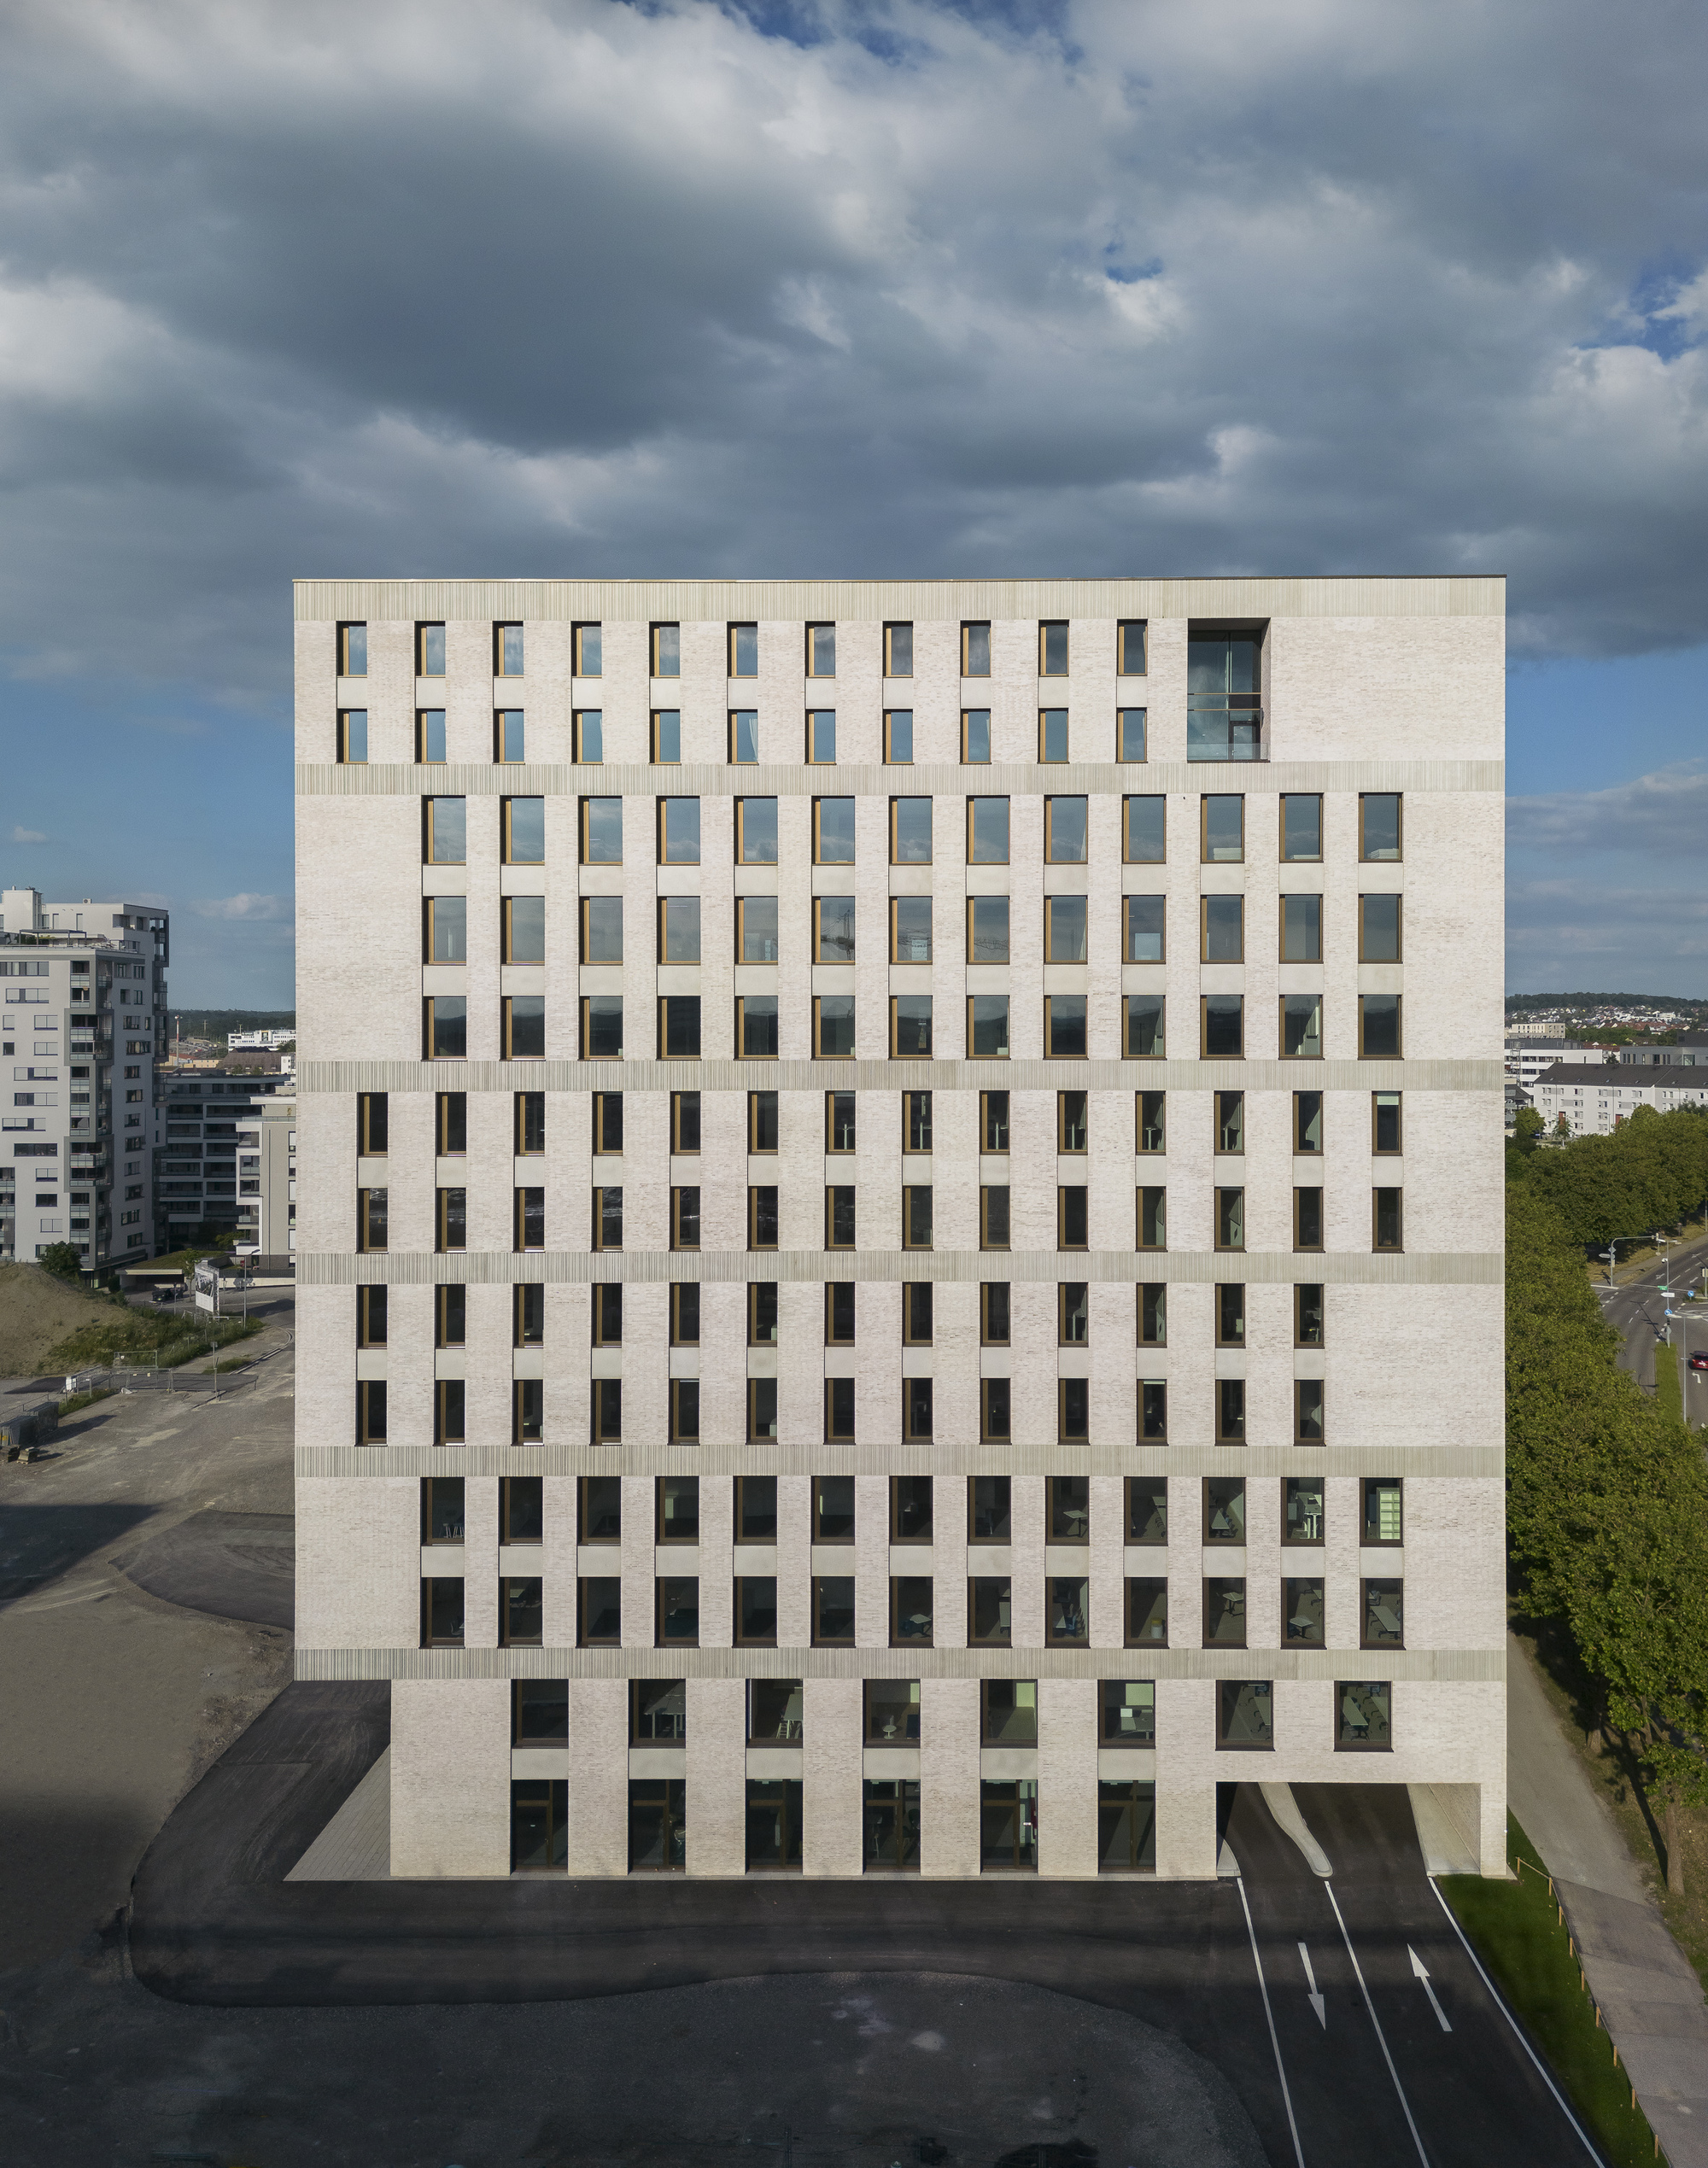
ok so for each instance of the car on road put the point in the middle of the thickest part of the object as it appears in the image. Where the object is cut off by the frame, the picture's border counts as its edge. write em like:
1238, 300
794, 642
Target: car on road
1698, 1361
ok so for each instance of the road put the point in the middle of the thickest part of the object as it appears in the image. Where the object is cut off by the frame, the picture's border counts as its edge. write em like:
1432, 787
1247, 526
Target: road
1635, 1308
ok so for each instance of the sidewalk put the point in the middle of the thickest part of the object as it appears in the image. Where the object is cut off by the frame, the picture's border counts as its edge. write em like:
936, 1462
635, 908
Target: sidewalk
1651, 1999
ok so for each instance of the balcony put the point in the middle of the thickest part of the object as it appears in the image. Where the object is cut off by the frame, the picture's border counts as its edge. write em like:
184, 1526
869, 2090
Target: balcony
1224, 726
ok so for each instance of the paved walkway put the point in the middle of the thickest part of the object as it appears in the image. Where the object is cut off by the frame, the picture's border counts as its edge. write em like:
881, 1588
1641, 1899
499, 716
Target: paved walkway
1651, 1999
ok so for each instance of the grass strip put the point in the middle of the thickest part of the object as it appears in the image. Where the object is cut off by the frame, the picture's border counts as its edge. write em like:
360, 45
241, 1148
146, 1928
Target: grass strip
1668, 1391
1517, 1931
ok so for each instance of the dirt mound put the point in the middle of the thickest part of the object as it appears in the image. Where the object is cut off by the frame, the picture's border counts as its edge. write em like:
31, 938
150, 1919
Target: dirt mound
36, 1311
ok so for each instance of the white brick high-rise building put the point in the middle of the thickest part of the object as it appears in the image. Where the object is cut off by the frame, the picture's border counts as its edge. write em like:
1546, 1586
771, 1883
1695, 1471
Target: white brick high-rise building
899, 1252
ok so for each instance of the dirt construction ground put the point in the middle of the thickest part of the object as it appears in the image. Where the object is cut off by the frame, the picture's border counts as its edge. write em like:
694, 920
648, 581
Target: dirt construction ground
36, 1311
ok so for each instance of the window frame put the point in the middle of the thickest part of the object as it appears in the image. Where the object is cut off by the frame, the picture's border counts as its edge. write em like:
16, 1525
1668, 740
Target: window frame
895, 902
1398, 857
819, 1053
1397, 899
424, 756
1052, 799
1397, 1192
1377, 1149
969, 627
969, 758
1301, 1190
815, 647
347, 737
733, 630
1046, 626
741, 942
1006, 1051
684, 1411
755, 798
975, 798
832, 1127
1204, 798
1299, 1290
422, 627
987, 1192
975, 960
736, 717
742, 1051
661, 648
755, 1108
579, 645
1143, 1590
839, 1197
585, 803
1125, 628
892, 757
892, 626
1399, 1053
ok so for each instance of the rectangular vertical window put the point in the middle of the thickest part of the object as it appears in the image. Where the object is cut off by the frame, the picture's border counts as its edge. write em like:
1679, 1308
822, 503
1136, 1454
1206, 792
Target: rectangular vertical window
527, 1411
1307, 1220
530, 1219
444, 830
1142, 1037
898, 737
987, 831
1221, 1031
1052, 736
756, 831
429, 650
601, 929
353, 650
909, 831
599, 1611
975, 650
839, 1216
916, 1215
587, 650
995, 1409
994, 1216
1230, 1219
987, 1027
1072, 1412
1153, 1314
917, 1313
832, 1027
909, 1027
441, 1612
1230, 1411
371, 1412
1130, 659
1153, 1219
1065, 830
1221, 829
821, 737
607, 1313
685, 1123
821, 651
527, 1320
1230, 1308
993, 1122
1379, 833
1301, 827
1143, 927
839, 1313
756, 927
1151, 1109
1221, 929
833, 1614
353, 737
995, 1313
451, 1220
451, 1123
762, 1216
975, 737
430, 736
1378, 929
607, 1122
910, 930
989, 1509
601, 831
899, 651
917, 1410
676, 1500
1052, 648
1073, 1121
678, 929
507, 651
449, 1412
667, 736
372, 1218
838, 1411
762, 1121
685, 1313
755, 1027
912, 1611
445, 933
607, 1217
523, 831
1073, 1216
1301, 929
607, 1410
509, 736
371, 1306
1384, 1123
373, 1124
525, 929
1229, 1128
1065, 929
1307, 1411
665, 643
1308, 1121
524, 1028
1386, 1231
987, 928
685, 1217
1301, 1027
1147, 1612
1308, 1314
445, 1027
762, 1313
1130, 734
679, 832
744, 650
1379, 1027
685, 1413
838, 1121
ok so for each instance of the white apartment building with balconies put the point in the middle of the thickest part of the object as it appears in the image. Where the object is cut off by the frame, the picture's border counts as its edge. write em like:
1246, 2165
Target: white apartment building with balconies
82, 1023
900, 1252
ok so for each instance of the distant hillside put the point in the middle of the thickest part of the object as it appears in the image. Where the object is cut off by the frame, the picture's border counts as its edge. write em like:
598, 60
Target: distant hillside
1604, 1001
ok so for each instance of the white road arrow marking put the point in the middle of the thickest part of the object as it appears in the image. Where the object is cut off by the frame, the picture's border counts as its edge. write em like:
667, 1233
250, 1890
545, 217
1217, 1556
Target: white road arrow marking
1313, 1998
1421, 1972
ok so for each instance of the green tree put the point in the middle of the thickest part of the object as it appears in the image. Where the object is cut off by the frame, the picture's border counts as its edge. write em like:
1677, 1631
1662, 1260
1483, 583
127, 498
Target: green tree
61, 1260
1527, 1129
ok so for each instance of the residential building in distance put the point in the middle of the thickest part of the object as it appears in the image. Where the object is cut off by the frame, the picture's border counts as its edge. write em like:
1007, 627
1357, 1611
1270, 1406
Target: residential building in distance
1595, 1101
267, 1176
899, 1264
1526, 1059
206, 1112
82, 1023
1689, 1051
266, 1042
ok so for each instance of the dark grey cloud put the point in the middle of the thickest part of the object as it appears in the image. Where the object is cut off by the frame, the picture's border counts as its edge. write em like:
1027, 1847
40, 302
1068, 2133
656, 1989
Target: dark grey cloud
573, 286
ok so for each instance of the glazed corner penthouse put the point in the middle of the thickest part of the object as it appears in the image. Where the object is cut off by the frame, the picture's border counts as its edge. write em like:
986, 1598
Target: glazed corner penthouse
900, 1261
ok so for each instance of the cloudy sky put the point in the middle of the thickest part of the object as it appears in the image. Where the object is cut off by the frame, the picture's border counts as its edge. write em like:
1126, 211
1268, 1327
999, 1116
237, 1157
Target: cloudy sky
842, 286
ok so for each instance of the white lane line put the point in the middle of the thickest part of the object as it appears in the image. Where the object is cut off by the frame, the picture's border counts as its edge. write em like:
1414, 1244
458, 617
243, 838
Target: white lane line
1269, 2017
1517, 2030
1358, 1971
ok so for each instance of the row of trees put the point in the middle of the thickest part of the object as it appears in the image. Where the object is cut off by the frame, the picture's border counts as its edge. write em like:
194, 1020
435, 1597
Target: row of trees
1651, 1172
1607, 1504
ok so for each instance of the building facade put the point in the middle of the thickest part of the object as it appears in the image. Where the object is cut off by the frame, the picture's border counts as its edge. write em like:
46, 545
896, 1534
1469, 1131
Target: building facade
1526, 1059
899, 1263
209, 1118
267, 1176
82, 1024
1595, 1101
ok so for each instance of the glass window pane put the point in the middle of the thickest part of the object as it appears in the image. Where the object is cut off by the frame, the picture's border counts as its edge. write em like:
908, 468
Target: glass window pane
682, 928
756, 830
988, 937
1224, 830
602, 925
836, 920
432, 651
988, 1032
1301, 1027
1052, 735
912, 817
990, 831
1301, 827
1065, 924
1065, 822
449, 830
667, 734
1224, 929
745, 652
667, 650
1145, 1027
450, 922
1379, 825
1130, 733
834, 819
912, 923
1144, 831
744, 730
590, 734
975, 735
1144, 921
604, 830
527, 929
898, 735
1301, 929
1378, 929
